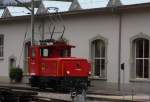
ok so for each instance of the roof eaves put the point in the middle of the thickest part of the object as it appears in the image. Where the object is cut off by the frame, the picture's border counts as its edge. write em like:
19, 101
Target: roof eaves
134, 7
106, 10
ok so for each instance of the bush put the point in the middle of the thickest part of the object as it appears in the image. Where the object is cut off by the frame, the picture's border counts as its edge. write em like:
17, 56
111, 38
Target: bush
16, 74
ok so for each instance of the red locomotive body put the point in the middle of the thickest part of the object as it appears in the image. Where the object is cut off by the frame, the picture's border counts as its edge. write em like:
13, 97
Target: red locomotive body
52, 66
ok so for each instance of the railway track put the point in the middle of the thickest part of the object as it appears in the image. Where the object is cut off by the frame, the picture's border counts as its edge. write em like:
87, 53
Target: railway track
10, 95
27, 94
33, 94
23, 94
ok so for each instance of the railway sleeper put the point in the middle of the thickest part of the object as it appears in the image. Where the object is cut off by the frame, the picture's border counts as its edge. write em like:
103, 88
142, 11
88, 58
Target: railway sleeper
9, 95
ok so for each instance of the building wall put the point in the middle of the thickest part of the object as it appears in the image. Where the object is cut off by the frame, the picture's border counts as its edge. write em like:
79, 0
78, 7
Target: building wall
80, 29
14, 33
133, 24
13, 38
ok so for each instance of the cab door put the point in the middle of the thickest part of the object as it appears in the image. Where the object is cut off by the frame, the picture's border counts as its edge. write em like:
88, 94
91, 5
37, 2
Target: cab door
34, 61
48, 65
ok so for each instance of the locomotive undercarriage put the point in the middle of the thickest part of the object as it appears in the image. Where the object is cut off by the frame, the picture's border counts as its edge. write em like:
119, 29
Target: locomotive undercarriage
60, 83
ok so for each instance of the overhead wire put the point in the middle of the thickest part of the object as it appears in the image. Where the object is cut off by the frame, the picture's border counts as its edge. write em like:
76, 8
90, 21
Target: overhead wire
52, 21
55, 18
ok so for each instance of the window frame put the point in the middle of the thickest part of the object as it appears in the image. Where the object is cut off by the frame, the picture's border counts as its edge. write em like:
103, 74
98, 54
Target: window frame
132, 55
141, 58
98, 37
100, 58
2, 47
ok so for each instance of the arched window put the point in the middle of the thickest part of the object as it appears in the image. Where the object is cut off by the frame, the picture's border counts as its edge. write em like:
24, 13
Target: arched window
141, 57
98, 51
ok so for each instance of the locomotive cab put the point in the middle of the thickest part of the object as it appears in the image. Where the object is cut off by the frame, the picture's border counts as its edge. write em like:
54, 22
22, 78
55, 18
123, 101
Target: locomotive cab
56, 50
51, 65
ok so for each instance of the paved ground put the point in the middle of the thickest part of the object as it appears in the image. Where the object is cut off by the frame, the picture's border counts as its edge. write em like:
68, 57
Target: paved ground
132, 87
111, 98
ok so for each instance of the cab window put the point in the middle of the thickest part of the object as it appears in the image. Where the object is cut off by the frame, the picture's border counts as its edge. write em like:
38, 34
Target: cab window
33, 53
45, 52
65, 53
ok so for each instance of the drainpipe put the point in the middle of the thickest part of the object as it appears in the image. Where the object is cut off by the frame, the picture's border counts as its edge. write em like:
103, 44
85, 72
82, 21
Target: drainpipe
119, 51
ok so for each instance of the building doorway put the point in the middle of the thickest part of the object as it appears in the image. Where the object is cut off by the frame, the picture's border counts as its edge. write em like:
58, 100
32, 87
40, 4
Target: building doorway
12, 62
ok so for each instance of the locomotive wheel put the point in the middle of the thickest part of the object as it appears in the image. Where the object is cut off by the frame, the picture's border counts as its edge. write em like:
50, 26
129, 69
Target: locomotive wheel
42, 87
55, 88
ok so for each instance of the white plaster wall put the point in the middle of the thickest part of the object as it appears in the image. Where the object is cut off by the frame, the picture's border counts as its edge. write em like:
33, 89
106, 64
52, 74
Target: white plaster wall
133, 24
14, 33
79, 31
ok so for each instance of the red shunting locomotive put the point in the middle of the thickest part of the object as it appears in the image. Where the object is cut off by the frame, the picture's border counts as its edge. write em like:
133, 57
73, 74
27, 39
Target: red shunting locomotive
51, 66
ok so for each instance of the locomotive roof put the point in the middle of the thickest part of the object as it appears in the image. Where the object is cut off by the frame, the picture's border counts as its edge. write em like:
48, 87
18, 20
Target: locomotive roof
58, 45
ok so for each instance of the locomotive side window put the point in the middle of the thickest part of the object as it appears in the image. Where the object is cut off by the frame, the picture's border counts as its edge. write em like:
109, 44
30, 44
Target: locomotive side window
45, 52
33, 53
65, 53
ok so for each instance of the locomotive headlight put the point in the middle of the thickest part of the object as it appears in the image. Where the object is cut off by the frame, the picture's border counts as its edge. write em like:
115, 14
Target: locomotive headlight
68, 72
90, 72
32, 74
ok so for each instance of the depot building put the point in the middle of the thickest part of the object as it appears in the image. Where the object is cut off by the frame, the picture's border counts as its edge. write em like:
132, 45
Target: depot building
115, 39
